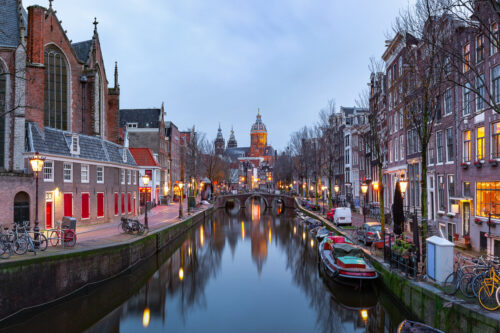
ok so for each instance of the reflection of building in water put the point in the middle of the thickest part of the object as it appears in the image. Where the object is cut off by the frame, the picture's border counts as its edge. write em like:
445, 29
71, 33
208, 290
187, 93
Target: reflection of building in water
255, 210
258, 235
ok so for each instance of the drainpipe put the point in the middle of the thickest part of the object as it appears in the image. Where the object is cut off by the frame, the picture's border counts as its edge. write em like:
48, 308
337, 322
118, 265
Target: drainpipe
83, 81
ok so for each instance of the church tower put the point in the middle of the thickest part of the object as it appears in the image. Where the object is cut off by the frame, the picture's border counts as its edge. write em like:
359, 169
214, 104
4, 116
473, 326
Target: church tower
258, 137
231, 143
219, 143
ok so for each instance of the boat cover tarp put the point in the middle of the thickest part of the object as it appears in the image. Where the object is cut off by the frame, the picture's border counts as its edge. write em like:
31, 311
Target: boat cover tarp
344, 249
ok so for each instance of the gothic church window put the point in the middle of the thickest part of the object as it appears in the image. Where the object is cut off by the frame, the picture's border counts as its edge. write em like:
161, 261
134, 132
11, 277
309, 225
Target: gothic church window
56, 90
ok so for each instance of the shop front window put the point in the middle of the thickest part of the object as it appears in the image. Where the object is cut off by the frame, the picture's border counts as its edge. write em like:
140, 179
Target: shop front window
488, 199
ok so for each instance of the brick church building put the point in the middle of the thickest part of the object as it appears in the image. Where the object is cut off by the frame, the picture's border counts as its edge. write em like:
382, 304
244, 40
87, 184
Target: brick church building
55, 100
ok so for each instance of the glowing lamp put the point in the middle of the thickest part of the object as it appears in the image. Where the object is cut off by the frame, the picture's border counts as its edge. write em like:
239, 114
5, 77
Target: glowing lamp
181, 274
146, 317
36, 162
375, 186
403, 184
336, 188
364, 188
145, 180
364, 314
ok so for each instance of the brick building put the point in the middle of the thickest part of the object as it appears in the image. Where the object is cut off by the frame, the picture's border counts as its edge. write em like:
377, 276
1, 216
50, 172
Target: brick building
55, 99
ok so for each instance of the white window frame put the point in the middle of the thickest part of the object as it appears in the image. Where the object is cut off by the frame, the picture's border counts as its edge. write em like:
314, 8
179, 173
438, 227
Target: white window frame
51, 168
438, 135
122, 176
401, 148
453, 181
452, 144
129, 177
87, 167
134, 175
75, 141
448, 111
70, 180
97, 174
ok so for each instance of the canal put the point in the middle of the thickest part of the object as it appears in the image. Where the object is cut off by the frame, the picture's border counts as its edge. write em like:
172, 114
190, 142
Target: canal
248, 270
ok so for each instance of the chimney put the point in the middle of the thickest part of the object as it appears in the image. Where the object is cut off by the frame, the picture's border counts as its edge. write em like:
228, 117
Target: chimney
36, 38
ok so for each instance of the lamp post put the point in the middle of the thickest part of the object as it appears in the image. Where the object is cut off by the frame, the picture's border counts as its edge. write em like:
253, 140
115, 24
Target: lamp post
180, 201
37, 165
188, 196
323, 197
145, 181
403, 184
364, 189
336, 188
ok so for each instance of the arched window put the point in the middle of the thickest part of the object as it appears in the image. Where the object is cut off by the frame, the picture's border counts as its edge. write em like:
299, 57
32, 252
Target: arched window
3, 79
21, 207
56, 90
97, 103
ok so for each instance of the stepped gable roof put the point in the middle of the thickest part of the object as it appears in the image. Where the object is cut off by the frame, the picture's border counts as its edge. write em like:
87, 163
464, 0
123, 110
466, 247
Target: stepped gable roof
145, 118
57, 142
9, 23
82, 50
258, 126
144, 157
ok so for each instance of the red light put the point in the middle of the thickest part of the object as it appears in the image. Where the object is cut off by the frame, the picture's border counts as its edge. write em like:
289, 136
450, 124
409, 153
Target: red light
369, 233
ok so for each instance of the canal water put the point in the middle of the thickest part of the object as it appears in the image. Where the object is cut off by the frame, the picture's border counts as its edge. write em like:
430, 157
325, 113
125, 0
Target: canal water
249, 270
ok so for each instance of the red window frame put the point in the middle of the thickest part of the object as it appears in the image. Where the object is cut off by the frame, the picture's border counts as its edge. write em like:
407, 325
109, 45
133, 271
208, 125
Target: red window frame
85, 205
117, 199
68, 204
129, 197
100, 204
123, 203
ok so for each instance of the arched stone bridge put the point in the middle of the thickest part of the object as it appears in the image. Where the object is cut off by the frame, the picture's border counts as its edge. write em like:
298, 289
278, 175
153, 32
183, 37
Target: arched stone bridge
243, 198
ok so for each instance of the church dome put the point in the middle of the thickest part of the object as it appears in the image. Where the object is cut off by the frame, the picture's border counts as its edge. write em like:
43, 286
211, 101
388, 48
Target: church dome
258, 126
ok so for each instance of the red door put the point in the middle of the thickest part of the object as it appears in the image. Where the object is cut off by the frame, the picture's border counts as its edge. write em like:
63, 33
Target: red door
85, 206
68, 204
100, 204
48, 214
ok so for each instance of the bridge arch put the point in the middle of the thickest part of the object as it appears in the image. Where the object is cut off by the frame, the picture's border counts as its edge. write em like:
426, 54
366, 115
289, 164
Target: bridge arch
257, 195
231, 203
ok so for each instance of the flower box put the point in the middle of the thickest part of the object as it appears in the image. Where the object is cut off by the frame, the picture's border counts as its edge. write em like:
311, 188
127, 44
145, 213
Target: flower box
450, 214
464, 165
479, 163
491, 224
493, 162
478, 221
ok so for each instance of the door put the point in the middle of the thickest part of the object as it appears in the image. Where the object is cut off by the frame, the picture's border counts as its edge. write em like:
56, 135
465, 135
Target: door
21, 207
49, 210
452, 229
466, 217
68, 204
483, 241
432, 206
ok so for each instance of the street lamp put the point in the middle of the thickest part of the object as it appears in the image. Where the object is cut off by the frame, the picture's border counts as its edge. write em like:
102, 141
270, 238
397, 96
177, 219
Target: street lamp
364, 189
145, 181
336, 188
37, 165
180, 201
188, 195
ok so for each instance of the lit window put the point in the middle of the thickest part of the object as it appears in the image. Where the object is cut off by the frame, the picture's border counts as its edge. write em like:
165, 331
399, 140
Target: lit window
48, 171
467, 146
494, 38
100, 174
488, 198
68, 172
480, 149
85, 173
479, 48
466, 57
495, 140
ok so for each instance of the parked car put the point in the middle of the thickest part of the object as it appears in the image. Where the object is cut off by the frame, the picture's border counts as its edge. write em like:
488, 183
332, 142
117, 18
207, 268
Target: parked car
330, 214
342, 216
369, 232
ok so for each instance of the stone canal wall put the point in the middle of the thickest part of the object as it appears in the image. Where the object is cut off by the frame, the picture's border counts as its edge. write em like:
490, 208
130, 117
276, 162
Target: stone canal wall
26, 284
427, 302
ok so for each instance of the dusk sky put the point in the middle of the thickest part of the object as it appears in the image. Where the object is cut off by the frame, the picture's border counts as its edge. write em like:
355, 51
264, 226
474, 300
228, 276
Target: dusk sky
219, 60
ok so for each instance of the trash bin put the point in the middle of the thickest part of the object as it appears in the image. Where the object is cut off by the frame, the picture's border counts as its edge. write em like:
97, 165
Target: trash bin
439, 258
68, 222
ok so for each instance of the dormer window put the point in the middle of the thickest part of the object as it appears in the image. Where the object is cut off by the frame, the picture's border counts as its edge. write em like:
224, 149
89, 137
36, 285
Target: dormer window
75, 145
124, 155
132, 125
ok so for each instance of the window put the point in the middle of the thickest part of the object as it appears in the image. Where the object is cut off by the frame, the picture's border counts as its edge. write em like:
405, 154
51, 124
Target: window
401, 148
390, 125
409, 142
494, 38
447, 65
487, 198
100, 204
68, 204
439, 146
400, 65
55, 106
3, 82
122, 176
495, 81
480, 93
449, 145
430, 153
129, 177
467, 89
447, 102
480, 150
117, 202
451, 190
396, 150
68, 172
97, 103
123, 203
390, 151
48, 171
495, 140
85, 206
401, 119
347, 156
479, 48
355, 157
85, 173
347, 140
132, 125
134, 174
441, 206
124, 155
129, 201
467, 189
467, 146
100, 174
75, 145
466, 57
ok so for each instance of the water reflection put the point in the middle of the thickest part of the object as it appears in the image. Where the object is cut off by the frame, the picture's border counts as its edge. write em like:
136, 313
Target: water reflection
270, 283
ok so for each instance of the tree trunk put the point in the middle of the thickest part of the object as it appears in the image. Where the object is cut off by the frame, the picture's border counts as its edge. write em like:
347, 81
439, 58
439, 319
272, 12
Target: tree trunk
381, 200
423, 202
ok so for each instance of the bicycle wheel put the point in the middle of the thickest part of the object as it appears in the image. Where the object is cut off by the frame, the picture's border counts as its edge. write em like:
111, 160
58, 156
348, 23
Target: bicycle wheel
42, 242
450, 285
54, 238
465, 285
69, 238
20, 246
6, 246
487, 297
477, 283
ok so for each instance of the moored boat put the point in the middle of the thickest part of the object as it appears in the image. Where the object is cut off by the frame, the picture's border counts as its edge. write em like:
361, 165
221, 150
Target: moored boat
345, 262
408, 326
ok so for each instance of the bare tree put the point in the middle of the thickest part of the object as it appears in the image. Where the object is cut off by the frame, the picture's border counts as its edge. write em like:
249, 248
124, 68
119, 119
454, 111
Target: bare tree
327, 127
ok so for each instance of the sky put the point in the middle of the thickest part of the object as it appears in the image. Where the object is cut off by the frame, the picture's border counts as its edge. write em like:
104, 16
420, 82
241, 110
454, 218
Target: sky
218, 61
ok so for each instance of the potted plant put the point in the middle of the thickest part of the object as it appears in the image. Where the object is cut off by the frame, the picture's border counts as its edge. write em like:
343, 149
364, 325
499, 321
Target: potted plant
464, 165
491, 223
479, 163
478, 221
467, 240
493, 162
455, 237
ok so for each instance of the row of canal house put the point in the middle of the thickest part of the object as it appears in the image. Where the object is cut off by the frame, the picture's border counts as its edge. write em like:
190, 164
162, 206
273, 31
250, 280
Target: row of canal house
464, 151
55, 99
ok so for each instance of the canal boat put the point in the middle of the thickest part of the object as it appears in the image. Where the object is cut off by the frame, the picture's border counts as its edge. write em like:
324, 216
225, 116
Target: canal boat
408, 326
345, 262
323, 232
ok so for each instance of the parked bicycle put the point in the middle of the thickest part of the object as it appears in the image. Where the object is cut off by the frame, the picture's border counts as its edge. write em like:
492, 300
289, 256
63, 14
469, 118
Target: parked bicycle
131, 226
30, 243
64, 234
461, 277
